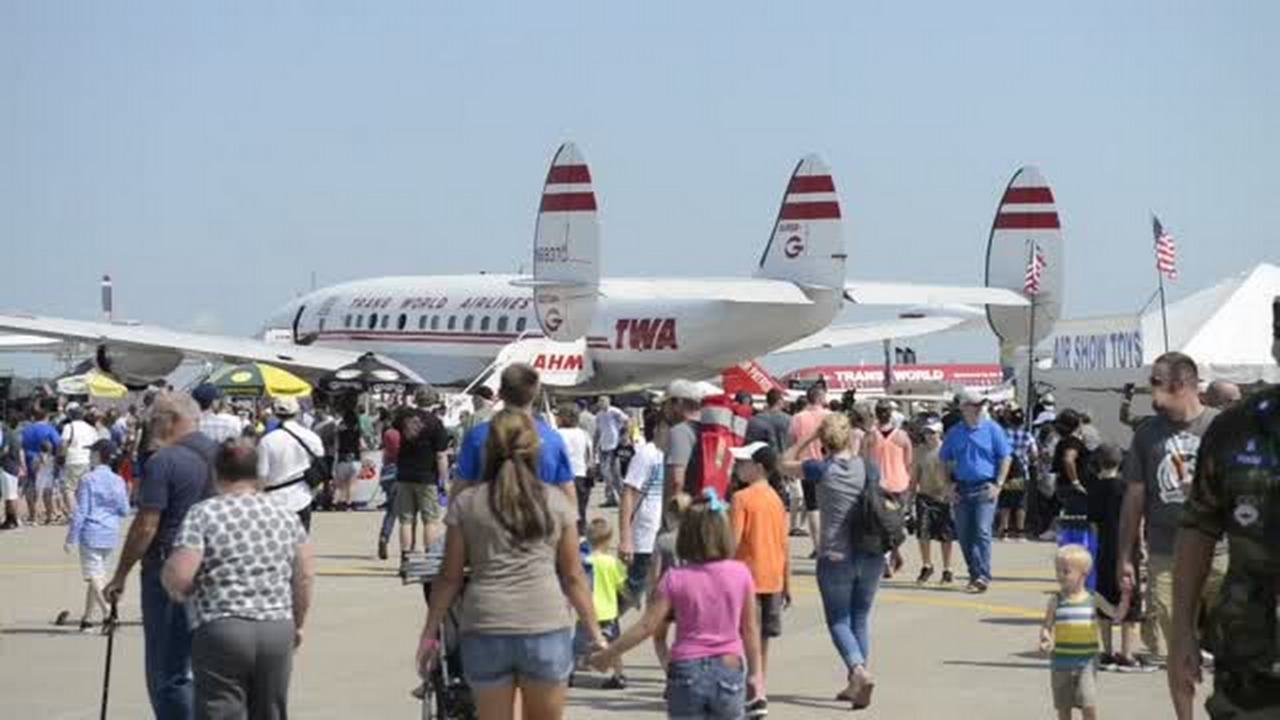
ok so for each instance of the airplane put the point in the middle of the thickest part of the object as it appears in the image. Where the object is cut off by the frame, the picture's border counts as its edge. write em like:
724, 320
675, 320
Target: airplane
621, 333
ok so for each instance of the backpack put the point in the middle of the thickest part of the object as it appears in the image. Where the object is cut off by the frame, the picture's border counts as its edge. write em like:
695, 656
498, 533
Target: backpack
878, 520
719, 428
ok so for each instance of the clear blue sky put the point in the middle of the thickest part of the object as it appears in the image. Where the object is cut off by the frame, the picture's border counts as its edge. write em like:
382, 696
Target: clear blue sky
210, 156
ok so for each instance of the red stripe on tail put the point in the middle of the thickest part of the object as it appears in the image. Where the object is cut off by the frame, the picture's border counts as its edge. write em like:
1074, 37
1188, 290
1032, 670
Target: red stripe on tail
811, 184
568, 202
1027, 221
1027, 196
811, 211
568, 175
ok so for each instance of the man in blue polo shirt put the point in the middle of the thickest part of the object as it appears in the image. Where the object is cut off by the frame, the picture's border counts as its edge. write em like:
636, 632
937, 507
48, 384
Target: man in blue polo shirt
978, 454
518, 391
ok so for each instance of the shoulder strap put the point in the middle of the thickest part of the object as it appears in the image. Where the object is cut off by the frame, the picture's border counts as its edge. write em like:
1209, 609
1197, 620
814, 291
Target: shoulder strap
211, 480
305, 446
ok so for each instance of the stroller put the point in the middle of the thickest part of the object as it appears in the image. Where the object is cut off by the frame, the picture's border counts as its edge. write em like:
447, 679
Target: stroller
444, 693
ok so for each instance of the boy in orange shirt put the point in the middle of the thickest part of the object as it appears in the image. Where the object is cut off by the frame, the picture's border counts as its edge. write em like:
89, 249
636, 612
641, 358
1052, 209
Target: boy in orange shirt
760, 529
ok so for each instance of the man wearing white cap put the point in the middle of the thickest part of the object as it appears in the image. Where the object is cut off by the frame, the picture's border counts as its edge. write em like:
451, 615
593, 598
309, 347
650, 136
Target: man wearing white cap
77, 437
284, 455
685, 405
978, 453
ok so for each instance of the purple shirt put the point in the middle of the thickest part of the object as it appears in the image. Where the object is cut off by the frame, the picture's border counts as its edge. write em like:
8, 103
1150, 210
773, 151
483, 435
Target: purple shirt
707, 601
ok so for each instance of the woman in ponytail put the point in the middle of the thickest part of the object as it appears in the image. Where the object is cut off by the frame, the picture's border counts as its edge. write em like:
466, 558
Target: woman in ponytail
520, 543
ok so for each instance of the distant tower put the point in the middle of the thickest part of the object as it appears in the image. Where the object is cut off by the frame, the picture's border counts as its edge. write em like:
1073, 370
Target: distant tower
107, 307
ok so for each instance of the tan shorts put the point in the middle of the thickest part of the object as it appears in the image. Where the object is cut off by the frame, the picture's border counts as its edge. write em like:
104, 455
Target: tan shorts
1074, 688
1161, 591
71, 477
414, 500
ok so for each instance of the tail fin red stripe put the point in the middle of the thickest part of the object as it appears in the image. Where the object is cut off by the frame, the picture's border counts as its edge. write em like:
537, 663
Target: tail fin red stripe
811, 184
568, 202
568, 175
1027, 221
811, 211
1027, 195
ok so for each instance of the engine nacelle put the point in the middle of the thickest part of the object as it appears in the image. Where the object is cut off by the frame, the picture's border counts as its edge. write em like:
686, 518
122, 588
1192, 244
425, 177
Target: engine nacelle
135, 367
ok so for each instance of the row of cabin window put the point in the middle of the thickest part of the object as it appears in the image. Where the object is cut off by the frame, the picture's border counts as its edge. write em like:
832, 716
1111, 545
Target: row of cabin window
435, 321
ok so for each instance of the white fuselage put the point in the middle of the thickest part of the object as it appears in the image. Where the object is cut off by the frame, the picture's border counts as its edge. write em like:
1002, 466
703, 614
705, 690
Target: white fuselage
450, 328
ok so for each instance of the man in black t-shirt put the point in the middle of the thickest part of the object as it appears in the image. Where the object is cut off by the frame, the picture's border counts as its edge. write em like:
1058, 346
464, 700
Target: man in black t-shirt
422, 466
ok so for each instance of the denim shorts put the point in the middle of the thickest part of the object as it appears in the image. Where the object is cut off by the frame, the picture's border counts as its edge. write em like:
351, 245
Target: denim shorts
706, 688
490, 660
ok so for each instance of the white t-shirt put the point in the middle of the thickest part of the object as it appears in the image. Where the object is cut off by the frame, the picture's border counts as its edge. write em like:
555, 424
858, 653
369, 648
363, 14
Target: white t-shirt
579, 445
609, 425
282, 459
77, 437
647, 473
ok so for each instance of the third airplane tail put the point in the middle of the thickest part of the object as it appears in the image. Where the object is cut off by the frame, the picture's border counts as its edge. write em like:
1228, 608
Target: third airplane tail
807, 245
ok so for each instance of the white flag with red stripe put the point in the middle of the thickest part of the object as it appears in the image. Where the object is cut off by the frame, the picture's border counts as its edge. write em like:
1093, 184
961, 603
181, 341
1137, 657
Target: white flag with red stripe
1035, 272
1166, 250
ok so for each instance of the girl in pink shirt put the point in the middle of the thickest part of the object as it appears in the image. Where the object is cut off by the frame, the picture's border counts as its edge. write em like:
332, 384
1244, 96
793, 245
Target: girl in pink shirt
711, 597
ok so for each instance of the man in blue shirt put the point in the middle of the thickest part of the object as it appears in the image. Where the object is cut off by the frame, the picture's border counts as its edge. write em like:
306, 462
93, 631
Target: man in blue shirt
518, 391
978, 455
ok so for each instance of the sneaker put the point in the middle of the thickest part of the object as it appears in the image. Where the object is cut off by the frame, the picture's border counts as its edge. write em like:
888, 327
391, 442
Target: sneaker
617, 682
980, 586
926, 572
1132, 665
947, 577
1109, 662
758, 708
86, 627
609, 504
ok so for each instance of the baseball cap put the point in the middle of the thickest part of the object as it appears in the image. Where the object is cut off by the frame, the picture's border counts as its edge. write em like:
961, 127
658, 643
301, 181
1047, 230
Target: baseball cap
969, 397
285, 406
105, 448
684, 390
760, 452
205, 394
1047, 400
426, 396
934, 426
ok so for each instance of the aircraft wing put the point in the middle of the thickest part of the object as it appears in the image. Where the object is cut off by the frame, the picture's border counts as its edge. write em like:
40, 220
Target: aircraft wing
21, 343
191, 345
746, 290
885, 293
876, 331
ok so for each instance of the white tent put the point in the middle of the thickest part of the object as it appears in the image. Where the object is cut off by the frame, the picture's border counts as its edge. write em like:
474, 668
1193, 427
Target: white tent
1225, 328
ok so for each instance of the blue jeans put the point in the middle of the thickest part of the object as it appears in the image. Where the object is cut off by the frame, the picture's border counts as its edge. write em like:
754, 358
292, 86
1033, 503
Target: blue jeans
848, 588
496, 659
975, 513
706, 688
167, 639
388, 483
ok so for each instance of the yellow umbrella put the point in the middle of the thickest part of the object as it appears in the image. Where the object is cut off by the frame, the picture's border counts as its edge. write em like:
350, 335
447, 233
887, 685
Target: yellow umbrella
94, 384
259, 380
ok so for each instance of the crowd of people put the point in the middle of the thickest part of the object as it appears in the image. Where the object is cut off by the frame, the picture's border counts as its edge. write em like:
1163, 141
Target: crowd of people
709, 495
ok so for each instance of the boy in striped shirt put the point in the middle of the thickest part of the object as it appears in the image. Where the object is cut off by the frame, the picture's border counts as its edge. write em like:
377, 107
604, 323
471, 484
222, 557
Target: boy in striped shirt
1070, 633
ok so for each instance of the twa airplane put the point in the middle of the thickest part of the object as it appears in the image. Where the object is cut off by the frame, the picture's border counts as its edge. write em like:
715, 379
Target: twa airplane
609, 333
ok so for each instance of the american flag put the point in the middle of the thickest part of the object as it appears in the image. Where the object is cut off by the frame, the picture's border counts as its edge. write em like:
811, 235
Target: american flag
1166, 250
1035, 270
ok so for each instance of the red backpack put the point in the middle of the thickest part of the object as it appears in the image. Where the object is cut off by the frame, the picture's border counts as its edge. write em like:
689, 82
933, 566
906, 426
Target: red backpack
722, 425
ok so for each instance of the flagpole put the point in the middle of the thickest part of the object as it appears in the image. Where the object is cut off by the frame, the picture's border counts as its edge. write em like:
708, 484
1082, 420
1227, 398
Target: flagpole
1164, 317
1031, 345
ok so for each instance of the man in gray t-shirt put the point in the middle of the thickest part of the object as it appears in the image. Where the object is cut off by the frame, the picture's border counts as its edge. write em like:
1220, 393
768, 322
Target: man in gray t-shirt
1158, 474
771, 425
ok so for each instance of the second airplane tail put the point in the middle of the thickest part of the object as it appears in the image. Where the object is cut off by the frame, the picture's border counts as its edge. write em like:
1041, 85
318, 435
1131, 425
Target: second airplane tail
807, 244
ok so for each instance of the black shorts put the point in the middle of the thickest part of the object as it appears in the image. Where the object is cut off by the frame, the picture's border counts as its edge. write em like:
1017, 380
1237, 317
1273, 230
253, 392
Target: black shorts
1011, 499
810, 495
934, 519
770, 614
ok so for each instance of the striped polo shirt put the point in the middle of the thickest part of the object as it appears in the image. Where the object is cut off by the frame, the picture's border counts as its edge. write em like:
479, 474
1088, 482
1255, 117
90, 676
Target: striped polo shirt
1075, 633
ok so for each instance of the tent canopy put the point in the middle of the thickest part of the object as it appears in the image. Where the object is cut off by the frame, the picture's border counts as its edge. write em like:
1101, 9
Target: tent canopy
1225, 328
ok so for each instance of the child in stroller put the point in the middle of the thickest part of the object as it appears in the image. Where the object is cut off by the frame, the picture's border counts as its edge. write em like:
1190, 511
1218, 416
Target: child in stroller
444, 692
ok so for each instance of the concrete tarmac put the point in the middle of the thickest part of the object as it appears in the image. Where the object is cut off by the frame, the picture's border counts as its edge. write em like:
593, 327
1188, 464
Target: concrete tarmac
937, 652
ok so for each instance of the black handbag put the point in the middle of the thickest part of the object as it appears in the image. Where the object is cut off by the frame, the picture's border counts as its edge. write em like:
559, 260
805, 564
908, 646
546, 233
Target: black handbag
319, 471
